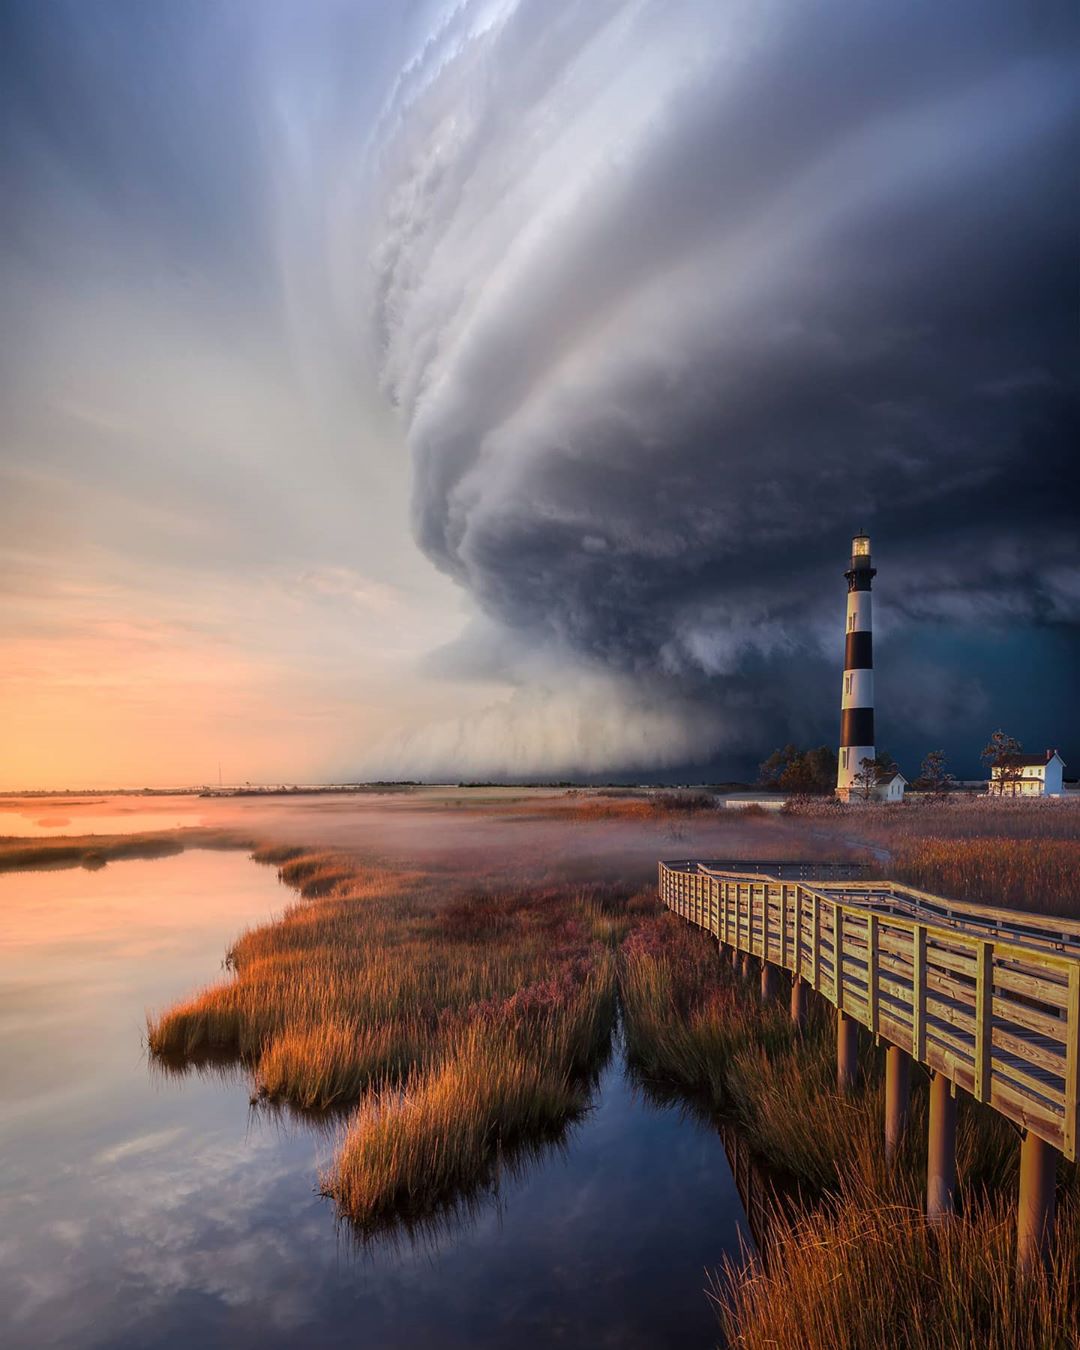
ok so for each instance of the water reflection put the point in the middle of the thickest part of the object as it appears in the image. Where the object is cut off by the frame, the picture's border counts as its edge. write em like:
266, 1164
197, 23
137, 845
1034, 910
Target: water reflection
43, 817
139, 1209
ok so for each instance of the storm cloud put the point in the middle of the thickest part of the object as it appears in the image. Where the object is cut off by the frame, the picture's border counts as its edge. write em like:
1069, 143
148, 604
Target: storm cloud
648, 304
673, 298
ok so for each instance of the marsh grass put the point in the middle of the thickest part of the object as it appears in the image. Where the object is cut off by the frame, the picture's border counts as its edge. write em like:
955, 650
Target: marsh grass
95, 850
1042, 874
461, 1018
516, 1073
867, 1271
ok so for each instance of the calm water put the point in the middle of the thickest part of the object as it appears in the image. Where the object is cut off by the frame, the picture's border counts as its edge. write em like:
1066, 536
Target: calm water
42, 817
141, 1211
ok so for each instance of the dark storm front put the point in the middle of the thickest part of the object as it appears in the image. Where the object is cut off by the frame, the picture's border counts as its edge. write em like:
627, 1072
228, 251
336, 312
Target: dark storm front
143, 1211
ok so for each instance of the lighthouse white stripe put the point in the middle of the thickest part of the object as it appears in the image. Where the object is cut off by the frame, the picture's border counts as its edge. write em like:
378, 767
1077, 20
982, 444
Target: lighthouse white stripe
858, 612
851, 758
857, 690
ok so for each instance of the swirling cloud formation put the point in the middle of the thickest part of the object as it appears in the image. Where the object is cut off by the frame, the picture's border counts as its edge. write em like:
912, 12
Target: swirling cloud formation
675, 297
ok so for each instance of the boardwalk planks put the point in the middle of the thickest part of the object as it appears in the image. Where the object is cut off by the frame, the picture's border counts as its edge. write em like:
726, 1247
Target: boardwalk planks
988, 997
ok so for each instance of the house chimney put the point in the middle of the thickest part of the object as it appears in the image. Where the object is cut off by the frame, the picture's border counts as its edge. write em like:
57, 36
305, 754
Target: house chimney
857, 693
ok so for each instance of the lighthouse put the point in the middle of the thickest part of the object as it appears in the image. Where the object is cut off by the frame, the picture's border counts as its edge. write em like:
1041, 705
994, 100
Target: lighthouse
857, 693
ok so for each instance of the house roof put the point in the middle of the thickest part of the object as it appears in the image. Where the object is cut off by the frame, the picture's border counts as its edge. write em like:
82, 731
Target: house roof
1025, 761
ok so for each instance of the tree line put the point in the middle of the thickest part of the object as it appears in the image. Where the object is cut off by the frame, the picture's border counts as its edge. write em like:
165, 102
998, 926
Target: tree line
794, 770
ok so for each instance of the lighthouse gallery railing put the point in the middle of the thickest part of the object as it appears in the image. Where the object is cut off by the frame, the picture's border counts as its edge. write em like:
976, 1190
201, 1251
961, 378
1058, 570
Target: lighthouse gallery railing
988, 997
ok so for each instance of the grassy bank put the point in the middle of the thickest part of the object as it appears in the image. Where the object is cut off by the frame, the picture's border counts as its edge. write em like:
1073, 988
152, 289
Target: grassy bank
513, 1074
95, 850
462, 1017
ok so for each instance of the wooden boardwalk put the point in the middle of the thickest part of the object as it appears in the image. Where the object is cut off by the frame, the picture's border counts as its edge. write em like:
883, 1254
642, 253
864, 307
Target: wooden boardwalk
987, 999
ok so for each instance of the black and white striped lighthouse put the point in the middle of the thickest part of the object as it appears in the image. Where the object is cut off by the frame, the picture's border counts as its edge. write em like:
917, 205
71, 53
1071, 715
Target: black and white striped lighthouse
857, 696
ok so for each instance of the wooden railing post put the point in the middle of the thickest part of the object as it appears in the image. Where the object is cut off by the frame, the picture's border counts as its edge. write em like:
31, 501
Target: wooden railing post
872, 971
984, 1005
918, 994
738, 918
815, 949
1072, 1061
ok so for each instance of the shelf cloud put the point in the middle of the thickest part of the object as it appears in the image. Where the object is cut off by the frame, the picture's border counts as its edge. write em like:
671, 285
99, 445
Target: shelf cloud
670, 297
675, 297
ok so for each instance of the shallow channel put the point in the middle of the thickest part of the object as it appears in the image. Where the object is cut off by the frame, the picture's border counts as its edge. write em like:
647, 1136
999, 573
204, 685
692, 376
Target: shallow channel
139, 1210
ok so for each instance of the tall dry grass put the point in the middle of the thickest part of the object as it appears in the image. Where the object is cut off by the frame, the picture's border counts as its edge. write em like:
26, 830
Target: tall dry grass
1042, 875
513, 1074
867, 1272
692, 1022
459, 1015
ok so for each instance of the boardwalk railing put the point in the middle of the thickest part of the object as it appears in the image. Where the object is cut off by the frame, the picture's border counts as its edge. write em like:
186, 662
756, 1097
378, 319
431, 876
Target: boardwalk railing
987, 999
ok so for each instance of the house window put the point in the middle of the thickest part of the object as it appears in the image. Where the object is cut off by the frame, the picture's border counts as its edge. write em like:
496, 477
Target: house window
847, 683
851, 623
843, 759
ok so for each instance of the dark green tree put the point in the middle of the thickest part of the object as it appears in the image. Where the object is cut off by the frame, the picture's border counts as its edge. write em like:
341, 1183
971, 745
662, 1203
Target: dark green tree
864, 784
1002, 753
772, 769
934, 777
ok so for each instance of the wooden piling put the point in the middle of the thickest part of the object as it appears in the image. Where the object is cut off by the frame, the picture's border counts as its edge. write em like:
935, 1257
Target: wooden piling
897, 1097
768, 981
1035, 1214
847, 1052
941, 1153
798, 1001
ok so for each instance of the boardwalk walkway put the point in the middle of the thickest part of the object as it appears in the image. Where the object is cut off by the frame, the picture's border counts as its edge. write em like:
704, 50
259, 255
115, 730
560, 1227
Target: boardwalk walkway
987, 999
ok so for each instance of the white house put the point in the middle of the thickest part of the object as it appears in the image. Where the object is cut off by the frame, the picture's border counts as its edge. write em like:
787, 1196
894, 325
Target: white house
891, 788
1028, 776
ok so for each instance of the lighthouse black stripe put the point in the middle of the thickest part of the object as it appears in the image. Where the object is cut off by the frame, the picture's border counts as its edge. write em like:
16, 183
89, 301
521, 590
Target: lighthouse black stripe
859, 655
857, 726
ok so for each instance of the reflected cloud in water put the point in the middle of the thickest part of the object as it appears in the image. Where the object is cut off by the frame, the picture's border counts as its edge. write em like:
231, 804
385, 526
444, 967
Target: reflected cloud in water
139, 1207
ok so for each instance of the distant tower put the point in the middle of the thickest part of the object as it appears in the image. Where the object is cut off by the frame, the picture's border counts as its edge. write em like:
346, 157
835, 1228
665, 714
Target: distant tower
857, 697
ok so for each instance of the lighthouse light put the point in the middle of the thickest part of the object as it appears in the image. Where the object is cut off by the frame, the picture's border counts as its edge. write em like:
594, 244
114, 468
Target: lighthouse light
860, 546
